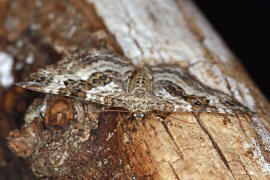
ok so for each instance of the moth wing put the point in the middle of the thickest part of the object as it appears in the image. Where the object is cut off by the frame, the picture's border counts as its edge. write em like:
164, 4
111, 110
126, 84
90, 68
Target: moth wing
175, 85
92, 75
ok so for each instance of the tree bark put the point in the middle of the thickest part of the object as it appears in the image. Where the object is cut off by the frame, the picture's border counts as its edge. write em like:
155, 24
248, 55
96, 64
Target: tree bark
63, 138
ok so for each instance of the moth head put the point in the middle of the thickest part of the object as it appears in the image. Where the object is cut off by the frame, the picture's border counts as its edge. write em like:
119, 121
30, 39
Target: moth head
139, 110
138, 105
138, 115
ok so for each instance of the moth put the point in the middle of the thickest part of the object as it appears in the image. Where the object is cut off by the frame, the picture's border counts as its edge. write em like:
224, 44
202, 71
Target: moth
106, 78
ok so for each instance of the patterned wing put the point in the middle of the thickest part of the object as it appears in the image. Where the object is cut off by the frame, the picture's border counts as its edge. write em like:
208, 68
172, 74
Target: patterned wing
175, 85
94, 75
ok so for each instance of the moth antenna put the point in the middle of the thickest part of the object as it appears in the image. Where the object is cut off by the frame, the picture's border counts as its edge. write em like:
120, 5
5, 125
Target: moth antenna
176, 119
181, 120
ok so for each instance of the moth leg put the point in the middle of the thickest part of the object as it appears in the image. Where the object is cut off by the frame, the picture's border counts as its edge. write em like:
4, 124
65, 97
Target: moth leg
164, 120
169, 120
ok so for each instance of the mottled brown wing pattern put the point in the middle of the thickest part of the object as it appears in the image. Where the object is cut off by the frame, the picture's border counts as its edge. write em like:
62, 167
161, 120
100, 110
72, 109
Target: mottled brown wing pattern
174, 84
94, 75
103, 77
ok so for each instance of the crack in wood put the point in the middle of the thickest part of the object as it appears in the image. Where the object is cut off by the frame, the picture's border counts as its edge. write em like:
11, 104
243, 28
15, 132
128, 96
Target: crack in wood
175, 174
243, 166
241, 126
217, 148
173, 140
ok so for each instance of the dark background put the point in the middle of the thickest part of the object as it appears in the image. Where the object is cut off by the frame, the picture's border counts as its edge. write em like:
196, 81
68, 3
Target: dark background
244, 25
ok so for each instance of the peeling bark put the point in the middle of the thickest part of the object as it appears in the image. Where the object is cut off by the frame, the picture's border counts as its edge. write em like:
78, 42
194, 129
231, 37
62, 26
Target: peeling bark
64, 138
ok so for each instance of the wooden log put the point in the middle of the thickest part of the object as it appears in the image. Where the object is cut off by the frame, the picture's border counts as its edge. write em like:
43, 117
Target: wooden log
66, 139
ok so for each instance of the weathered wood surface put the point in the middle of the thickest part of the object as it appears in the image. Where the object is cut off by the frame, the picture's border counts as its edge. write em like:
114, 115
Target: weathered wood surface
66, 140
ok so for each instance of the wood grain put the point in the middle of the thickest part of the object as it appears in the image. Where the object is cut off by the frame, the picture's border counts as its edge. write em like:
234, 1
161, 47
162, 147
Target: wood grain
196, 146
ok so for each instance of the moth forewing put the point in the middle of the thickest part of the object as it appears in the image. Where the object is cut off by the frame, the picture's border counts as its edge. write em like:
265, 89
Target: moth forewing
102, 77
